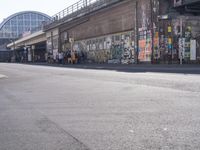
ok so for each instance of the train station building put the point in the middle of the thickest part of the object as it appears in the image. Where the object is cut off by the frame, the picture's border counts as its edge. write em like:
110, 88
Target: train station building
19, 25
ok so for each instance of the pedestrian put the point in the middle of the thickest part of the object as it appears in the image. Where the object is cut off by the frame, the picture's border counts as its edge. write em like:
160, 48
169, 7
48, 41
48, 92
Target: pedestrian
22, 59
82, 56
69, 57
73, 57
54, 57
76, 57
46, 57
60, 57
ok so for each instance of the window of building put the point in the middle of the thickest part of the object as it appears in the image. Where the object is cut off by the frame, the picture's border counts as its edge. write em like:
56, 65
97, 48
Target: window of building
33, 16
26, 22
40, 17
26, 16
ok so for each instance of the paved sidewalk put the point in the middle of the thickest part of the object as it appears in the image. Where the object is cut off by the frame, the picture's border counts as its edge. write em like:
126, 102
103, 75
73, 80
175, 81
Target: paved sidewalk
165, 68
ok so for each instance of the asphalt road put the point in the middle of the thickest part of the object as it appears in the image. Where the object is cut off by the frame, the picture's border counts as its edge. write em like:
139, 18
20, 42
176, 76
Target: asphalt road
52, 108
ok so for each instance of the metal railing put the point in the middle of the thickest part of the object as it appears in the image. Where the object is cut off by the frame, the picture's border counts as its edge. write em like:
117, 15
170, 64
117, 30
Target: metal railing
186, 2
40, 27
73, 8
79, 9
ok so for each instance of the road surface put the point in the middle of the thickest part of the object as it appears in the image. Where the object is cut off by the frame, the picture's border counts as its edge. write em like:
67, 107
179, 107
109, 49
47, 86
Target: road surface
55, 108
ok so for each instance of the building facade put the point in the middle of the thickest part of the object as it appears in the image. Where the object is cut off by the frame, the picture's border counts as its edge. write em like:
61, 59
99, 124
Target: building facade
128, 31
104, 35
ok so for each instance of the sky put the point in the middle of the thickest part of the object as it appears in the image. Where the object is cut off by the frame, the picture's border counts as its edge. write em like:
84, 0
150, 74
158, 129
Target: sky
49, 7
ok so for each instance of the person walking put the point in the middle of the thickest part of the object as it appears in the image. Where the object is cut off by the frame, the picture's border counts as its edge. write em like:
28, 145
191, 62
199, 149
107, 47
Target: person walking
76, 57
73, 57
60, 57
69, 59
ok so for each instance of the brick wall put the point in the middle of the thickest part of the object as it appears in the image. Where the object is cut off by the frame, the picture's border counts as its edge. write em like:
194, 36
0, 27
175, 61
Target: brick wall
117, 18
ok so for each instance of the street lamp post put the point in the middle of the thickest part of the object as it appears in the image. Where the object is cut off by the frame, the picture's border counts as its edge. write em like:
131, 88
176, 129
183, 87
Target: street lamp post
136, 32
181, 36
152, 31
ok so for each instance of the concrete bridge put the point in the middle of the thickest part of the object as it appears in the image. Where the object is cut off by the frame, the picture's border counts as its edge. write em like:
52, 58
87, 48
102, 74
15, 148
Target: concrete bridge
120, 31
30, 48
30, 40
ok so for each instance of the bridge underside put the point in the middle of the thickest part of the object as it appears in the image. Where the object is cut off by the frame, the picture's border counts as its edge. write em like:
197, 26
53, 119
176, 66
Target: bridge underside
30, 54
190, 6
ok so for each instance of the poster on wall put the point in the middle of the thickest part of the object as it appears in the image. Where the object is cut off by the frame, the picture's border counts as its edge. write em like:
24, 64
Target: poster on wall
187, 42
145, 46
193, 45
181, 47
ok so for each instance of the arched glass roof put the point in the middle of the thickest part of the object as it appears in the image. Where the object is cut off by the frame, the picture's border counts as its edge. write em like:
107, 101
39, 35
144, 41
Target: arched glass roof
19, 23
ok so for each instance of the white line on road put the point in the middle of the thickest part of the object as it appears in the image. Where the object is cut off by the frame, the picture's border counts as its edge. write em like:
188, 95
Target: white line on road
3, 76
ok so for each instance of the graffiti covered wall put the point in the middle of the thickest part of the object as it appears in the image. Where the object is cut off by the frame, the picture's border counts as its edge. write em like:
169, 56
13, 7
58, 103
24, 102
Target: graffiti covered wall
148, 27
144, 31
116, 48
159, 38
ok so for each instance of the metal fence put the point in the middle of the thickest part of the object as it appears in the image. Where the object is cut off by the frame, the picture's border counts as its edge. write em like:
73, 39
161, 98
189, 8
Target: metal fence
190, 1
73, 8
81, 8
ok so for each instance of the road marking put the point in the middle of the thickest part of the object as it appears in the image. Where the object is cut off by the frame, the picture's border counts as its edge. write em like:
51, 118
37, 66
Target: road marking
3, 76
131, 131
165, 129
